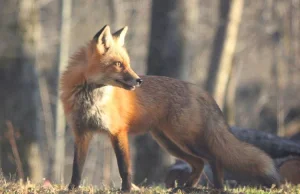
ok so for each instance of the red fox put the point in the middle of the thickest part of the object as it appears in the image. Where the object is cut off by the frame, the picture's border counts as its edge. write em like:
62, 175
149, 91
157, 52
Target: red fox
101, 93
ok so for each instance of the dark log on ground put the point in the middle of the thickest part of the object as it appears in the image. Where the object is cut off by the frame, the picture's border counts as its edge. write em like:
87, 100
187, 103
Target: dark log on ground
284, 152
276, 147
178, 173
296, 137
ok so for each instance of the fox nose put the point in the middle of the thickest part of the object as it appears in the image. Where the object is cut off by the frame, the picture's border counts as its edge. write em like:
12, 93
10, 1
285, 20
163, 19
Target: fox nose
139, 81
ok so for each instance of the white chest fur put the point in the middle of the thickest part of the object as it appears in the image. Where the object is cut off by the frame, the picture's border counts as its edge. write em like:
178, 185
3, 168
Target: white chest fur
89, 108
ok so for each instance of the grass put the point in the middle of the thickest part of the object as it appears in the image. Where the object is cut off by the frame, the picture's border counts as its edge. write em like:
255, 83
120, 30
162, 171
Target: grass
8, 187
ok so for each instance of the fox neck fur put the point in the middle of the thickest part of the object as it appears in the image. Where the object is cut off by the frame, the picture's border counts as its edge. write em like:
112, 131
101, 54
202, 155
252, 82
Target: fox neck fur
86, 100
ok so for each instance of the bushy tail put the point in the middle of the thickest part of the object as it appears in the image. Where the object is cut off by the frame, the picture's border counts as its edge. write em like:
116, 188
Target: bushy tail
237, 156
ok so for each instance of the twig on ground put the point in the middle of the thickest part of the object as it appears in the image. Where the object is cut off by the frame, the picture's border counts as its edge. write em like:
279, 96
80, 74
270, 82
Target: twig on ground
10, 135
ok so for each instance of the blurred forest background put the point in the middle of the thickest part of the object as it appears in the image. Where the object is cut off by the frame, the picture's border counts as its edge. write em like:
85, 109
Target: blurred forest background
246, 53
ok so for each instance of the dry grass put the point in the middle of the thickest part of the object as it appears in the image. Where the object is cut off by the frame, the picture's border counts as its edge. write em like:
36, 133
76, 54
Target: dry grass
47, 188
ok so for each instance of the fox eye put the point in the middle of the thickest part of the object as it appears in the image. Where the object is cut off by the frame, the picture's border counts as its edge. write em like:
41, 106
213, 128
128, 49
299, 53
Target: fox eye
118, 64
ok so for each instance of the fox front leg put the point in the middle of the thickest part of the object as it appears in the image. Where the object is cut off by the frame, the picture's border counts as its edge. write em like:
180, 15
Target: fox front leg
121, 148
80, 152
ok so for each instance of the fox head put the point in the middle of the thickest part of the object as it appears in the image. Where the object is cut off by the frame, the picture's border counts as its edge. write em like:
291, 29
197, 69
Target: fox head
109, 63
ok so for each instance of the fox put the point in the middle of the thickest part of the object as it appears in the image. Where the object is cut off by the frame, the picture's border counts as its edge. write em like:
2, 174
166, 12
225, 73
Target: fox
101, 93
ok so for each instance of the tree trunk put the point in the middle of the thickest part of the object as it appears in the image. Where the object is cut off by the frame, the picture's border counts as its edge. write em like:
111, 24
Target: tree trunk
224, 47
166, 57
60, 117
229, 104
289, 170
20, 101
218, 43
226, 61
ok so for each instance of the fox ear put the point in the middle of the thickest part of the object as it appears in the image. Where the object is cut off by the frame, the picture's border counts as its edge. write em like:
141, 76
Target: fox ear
104, 37
120, 36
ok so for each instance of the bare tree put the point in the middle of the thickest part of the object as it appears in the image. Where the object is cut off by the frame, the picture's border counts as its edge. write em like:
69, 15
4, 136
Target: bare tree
60, 118
18, 64
166, 57
218, 43
226, 60
221, 79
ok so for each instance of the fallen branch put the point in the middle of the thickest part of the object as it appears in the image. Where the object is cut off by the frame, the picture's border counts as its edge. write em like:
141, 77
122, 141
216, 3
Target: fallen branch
10, 135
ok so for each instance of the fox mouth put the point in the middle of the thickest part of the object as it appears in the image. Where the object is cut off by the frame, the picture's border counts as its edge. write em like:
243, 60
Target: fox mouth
125, 85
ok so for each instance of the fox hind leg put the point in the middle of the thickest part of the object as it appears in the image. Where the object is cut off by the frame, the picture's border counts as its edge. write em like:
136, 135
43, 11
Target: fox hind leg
218, 174
197, 164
